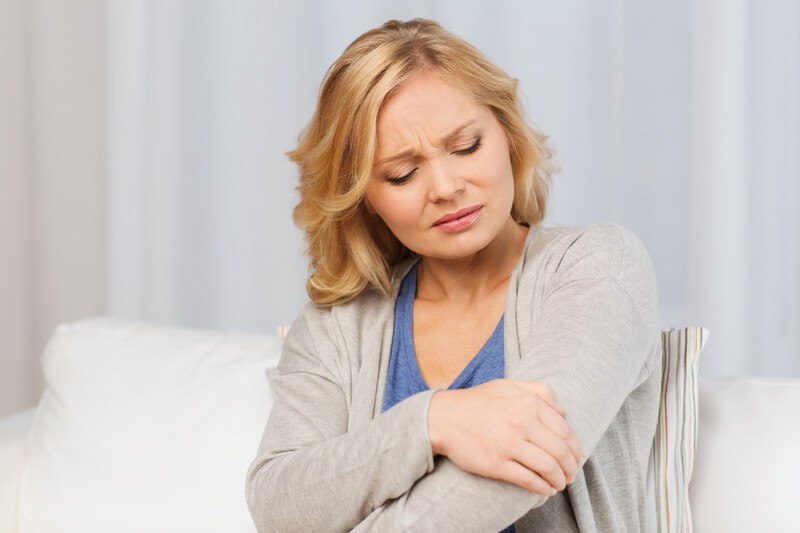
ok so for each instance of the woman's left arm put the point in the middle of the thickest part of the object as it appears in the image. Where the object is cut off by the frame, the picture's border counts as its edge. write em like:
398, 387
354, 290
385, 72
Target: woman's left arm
595, 340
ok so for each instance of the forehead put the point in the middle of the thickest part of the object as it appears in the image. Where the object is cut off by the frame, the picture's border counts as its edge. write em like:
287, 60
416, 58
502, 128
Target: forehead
425, 105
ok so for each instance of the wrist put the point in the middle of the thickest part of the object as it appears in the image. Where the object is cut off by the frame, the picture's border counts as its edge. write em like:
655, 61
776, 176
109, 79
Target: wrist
435, 421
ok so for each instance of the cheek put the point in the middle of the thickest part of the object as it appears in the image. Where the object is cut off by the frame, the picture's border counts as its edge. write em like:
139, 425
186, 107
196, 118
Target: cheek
394, 207
498, 169
502, 180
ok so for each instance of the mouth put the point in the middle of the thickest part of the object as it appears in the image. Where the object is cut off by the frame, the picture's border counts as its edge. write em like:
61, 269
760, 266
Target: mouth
458, 214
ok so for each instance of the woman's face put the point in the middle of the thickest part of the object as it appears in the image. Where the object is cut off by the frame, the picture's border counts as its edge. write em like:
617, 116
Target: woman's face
439, 153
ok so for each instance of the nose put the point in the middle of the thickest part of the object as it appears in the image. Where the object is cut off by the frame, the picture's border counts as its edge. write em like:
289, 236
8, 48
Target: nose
445, 183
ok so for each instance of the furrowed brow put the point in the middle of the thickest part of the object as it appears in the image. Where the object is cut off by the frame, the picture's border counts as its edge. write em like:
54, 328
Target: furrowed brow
408, 153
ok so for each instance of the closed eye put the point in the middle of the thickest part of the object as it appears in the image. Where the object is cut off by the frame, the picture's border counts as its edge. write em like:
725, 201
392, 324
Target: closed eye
401, 179
465, 151
471, 149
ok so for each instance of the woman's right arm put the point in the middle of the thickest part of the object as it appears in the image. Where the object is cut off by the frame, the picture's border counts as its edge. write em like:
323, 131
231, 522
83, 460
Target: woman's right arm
310, 472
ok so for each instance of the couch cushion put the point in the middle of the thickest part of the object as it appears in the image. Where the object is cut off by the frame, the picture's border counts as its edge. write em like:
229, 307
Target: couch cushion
745, 476
14, 431
144, 427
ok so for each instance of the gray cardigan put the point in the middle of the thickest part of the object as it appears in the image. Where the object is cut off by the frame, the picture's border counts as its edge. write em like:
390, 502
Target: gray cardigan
581, 315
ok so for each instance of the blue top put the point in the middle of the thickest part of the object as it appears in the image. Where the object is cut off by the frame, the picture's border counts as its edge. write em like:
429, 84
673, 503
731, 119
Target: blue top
404, 377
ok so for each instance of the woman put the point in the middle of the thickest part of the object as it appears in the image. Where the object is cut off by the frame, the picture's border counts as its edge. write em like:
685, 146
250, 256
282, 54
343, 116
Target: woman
459, 367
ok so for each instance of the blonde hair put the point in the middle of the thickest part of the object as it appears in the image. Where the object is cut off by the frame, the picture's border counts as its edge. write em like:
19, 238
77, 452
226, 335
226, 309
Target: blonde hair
349, 250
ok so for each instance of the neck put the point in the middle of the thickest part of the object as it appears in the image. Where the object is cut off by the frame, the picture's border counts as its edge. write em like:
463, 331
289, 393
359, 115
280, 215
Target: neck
468, 281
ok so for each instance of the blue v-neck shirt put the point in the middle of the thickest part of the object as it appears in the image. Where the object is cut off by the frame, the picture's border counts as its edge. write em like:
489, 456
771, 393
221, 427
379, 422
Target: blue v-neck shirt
404, 377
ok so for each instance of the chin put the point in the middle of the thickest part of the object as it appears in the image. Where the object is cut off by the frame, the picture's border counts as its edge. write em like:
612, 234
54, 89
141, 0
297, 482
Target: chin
461, 248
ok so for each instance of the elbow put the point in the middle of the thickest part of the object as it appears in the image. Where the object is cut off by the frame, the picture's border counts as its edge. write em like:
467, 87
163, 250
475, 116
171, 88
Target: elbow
254, 495
276, 508
259, 494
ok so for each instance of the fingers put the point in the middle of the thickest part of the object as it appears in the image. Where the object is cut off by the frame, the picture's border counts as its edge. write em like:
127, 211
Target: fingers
515, 473
538, 459
556, 423
562, 466
542, 390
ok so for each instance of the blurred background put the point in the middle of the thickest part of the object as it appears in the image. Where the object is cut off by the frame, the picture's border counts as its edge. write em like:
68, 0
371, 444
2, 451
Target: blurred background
143, 172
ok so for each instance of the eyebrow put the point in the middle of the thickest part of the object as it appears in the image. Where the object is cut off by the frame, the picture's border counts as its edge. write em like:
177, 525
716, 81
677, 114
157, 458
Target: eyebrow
406, 153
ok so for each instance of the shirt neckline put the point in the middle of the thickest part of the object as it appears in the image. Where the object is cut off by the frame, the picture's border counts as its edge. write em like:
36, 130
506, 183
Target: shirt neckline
410, 352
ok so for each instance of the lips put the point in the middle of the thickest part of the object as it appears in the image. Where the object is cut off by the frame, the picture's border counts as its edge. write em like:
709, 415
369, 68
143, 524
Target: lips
458, 214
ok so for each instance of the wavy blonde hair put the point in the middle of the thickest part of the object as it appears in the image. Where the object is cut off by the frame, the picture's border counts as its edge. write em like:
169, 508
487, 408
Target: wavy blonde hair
350, 250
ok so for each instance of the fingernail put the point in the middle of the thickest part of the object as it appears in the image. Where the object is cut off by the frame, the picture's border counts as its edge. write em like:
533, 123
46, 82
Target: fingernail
553, 491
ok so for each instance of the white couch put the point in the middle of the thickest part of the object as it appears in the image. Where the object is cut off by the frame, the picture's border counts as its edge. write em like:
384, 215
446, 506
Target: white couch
151, 428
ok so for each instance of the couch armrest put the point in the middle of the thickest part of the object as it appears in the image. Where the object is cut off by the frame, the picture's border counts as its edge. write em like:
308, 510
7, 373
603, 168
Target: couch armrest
14, 431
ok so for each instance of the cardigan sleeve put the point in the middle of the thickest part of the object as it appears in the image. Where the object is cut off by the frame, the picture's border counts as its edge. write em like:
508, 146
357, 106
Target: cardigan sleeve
592, 343
312, 472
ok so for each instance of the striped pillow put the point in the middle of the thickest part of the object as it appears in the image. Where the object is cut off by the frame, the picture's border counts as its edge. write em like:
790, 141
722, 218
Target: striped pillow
672, 454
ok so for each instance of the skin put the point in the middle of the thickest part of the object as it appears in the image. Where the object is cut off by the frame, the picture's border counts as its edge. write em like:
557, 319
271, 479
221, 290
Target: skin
463, 278
461, 268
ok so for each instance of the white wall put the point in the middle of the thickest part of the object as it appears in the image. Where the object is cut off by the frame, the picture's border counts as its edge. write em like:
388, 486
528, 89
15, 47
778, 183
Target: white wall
52, 187
16, 289
143, 171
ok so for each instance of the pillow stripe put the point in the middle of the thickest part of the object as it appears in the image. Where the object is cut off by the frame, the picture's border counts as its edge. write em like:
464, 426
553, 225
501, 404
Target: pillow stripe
675, 441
